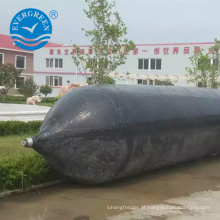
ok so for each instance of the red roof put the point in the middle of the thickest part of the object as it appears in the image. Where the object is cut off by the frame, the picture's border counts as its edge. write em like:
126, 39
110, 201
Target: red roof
140, 45
49, 44
7, 43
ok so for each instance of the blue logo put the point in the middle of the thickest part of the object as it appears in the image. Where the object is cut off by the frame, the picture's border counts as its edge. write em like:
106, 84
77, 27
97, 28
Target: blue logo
30, 29
53, 14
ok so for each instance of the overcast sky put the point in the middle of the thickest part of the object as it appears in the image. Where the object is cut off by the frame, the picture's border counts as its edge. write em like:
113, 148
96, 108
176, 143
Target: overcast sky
148, 21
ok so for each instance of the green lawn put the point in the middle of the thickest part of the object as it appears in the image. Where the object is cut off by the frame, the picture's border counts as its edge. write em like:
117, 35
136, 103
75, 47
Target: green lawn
21, 167
10, 147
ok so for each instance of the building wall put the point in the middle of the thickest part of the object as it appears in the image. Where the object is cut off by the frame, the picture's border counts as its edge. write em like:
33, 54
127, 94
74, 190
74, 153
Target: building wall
175, 58
69, 71
9, 57
173, 63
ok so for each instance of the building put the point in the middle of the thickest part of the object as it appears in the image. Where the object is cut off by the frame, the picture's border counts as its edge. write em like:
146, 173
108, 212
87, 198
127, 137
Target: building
146, 63
21, 59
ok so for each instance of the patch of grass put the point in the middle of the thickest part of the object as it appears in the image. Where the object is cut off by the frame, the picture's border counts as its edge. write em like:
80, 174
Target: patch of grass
10, 146
21, 167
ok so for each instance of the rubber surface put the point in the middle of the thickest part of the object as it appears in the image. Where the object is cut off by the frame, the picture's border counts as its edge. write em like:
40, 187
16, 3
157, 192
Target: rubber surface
97, 134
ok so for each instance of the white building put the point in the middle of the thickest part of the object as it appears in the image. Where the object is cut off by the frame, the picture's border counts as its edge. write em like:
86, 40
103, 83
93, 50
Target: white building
54, 65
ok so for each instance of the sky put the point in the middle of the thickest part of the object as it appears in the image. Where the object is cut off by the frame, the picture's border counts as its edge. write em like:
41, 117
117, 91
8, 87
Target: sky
148, 21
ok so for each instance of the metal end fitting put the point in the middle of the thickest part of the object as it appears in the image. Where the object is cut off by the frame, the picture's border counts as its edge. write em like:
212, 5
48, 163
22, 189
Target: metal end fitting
28, 142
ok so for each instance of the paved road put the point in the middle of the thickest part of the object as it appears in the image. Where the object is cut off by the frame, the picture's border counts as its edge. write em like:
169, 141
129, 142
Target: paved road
191, 184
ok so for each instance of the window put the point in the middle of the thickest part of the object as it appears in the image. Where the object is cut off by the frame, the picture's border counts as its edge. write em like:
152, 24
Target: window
143, 64
146, 64
93, 62
54, 63
149, 64
140, 64
49, 63
54, 80
152, 64
58, 63
19, 82
20, 62
215, 63
1, 58
57, 81
142, 82
158, 64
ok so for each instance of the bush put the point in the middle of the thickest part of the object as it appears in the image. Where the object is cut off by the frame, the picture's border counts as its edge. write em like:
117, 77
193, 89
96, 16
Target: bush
49, 100
58, 97
22, 172
29, 88
13, 99
19, 127
166, 82
45, 89
19, 99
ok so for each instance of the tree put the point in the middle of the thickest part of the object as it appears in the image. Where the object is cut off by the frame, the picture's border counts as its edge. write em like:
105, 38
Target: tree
8, 75
29, 88
166, 82
106, 80
200, 71
203, 72
45, 89
108, 44
215, 68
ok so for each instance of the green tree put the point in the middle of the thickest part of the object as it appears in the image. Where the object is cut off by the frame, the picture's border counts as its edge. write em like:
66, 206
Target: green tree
29, 88
203, 72
45, 89
200, 72
106, 80
8, 75
108, 42
166, 82
215, 67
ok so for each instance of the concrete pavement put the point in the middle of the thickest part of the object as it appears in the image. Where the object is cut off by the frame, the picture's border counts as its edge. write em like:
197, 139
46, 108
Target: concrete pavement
192, 184
21, 112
